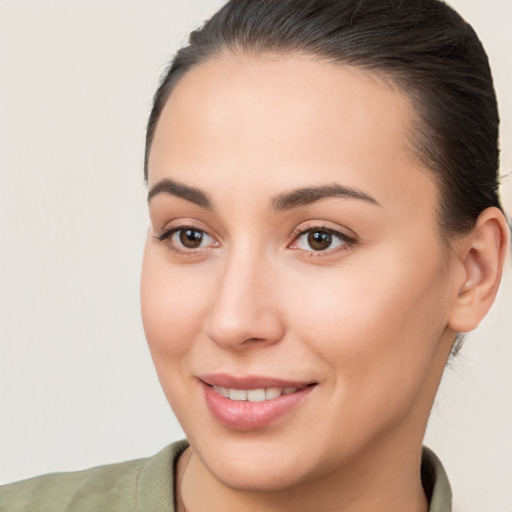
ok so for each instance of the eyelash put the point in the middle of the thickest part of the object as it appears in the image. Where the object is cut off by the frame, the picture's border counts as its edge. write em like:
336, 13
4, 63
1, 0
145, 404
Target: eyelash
167, 235
346, 241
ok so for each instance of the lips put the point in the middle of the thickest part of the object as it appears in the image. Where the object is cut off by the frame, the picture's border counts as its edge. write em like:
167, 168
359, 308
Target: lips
252, 402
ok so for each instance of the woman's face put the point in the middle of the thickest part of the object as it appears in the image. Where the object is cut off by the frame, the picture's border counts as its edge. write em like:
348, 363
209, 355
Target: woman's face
293, 263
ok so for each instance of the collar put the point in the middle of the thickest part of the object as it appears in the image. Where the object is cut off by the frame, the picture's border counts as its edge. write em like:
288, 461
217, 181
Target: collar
435, 482
155, 489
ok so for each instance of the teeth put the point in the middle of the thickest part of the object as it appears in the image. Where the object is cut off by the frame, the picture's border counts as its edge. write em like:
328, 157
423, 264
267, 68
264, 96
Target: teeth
272, 393
237, 394
254, 395
222, 391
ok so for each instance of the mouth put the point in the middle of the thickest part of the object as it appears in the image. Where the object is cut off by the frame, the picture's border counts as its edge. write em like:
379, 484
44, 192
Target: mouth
252, 402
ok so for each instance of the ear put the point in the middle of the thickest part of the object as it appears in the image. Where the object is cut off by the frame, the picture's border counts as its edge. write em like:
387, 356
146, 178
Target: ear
482, 254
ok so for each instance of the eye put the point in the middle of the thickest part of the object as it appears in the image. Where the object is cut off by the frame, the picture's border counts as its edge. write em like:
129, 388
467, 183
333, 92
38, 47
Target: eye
321, 239
184, 239
190, 238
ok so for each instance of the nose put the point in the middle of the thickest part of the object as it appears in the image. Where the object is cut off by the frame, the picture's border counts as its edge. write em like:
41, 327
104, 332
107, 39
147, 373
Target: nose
245, 310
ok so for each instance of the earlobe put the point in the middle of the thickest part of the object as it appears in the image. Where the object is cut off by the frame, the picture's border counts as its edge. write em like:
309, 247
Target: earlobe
482, 258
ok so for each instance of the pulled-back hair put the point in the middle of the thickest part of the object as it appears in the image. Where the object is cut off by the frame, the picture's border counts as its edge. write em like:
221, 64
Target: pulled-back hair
421, 46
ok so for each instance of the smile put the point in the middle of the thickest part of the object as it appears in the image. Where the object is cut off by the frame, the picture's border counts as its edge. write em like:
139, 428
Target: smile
249, 403
254, 395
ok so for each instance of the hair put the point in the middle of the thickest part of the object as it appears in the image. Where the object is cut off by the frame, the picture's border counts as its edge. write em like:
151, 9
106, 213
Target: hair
423, 47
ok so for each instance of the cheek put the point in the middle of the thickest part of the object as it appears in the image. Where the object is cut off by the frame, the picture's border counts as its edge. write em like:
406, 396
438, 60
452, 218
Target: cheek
172, 303
376, 329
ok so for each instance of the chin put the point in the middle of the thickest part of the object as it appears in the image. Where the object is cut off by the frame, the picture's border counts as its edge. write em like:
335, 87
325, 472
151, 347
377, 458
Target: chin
259, 462
255, 477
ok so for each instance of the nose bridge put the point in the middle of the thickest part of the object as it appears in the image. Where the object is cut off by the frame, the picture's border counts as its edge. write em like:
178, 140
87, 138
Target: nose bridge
245, 305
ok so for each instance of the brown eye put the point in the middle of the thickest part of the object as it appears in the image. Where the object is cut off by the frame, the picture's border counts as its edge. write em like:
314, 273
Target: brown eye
319, 240
191, 238
187, 240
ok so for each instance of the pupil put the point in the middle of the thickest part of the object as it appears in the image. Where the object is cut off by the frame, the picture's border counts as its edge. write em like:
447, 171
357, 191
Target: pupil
319, 240
191, 238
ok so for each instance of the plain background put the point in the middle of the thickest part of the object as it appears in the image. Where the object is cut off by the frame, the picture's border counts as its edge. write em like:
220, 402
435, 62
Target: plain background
77, 386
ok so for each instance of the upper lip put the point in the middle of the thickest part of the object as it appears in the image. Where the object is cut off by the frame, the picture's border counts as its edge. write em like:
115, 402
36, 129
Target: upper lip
251, 382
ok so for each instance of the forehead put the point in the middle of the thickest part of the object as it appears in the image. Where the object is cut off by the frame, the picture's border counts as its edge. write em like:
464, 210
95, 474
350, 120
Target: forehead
290, 120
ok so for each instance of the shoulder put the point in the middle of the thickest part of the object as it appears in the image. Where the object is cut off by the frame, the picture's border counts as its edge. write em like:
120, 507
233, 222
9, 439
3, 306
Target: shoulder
137, 485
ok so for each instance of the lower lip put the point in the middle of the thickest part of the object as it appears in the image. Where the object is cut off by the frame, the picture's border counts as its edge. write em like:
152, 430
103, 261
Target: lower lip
245, 415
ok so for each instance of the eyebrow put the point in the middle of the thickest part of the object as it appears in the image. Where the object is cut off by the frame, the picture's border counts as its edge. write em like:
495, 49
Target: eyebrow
192, 194
308, 195
285, 201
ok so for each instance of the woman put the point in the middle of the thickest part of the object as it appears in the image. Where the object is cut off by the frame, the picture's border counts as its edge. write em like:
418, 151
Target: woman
324, 223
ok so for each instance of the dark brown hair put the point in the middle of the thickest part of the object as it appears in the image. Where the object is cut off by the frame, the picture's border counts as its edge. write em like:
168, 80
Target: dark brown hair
422, 46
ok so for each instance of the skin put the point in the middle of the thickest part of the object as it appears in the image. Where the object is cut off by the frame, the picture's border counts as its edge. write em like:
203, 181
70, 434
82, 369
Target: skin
371, 320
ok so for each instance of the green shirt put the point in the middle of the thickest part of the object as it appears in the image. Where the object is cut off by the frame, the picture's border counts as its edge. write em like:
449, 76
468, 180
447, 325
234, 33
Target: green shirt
147, 485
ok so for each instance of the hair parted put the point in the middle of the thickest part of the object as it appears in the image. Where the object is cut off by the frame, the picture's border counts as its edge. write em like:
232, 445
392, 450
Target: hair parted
421, 46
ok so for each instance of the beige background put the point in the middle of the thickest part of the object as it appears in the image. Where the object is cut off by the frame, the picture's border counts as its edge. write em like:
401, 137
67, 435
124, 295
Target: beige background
77, 387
